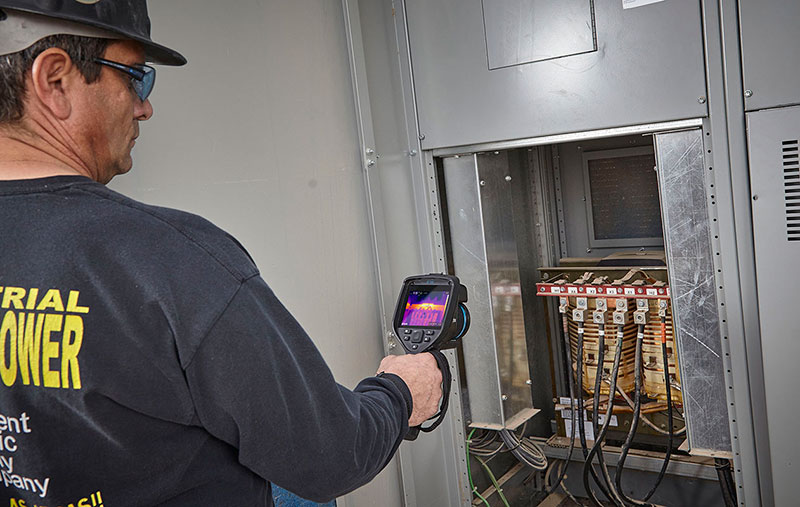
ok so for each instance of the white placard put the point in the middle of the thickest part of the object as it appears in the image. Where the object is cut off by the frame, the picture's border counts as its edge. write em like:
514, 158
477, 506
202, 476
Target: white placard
572, 290
591, 290
556, 290
652, 292
630, 4
630, 292
588, 428
602, 417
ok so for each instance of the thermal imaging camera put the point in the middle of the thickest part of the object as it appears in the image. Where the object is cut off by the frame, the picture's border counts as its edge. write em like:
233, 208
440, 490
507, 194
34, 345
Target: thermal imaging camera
430, 313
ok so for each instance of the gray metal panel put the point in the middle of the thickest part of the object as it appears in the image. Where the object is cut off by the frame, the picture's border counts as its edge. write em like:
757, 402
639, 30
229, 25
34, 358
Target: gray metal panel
681, 173
471, 267
485, 260
774, 142
728, 171
498, 208
770, 52
525, 31
648, 68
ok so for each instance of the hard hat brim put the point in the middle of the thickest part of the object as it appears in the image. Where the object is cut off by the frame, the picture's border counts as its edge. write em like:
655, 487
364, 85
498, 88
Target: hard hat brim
154, 52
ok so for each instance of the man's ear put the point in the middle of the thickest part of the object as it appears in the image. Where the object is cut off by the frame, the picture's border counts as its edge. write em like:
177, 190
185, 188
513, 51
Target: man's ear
53, 78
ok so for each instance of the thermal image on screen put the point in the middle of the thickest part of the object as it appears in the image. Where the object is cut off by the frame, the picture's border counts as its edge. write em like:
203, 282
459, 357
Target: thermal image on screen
425, 308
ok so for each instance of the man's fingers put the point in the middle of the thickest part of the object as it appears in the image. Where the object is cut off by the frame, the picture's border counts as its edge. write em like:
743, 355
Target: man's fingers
421, 374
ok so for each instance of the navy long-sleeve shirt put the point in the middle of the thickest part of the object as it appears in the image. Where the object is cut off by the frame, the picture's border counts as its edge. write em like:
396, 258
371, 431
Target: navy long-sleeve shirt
143, 361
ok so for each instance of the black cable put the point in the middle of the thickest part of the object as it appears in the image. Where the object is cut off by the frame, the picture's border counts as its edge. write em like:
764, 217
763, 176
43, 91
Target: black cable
572, 407
637, 406
598, 439
598, 380
581, 429
723, 467
668, 384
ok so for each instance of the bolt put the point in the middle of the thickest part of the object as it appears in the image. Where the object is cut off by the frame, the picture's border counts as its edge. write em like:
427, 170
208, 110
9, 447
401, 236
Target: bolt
529, 382
456, 156
422, 137
392, 346
748, 93
588, 250
508, 178
369, 151
701, 100
504, 397
483, 183
755, 197
370, 162
413, 153
497, 153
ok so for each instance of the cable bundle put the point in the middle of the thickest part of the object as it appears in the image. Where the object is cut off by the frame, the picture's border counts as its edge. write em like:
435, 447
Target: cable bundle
525, 450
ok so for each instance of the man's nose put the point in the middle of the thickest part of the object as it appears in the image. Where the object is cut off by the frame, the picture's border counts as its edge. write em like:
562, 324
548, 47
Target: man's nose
143, 110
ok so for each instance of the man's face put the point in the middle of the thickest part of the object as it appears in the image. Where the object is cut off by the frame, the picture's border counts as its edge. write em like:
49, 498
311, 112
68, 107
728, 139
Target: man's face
109, 114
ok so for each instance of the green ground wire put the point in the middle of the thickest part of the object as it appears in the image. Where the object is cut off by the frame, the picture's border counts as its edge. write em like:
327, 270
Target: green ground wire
469, 472
494, 481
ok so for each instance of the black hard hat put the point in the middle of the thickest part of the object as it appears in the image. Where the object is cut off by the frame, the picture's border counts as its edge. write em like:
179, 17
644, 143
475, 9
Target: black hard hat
126, 18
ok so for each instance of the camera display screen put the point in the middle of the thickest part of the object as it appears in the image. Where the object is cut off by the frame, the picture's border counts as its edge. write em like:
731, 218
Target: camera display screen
425, 306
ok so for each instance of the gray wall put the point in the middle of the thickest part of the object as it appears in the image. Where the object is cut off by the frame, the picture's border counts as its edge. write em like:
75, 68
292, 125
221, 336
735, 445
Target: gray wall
257, 133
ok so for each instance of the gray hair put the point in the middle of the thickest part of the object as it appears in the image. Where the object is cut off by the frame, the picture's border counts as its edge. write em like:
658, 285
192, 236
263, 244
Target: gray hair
13, 67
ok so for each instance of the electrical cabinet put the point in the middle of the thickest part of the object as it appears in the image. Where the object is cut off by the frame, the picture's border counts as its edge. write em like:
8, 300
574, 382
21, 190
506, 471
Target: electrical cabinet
499, 70
575, 164
770, 52
774, 148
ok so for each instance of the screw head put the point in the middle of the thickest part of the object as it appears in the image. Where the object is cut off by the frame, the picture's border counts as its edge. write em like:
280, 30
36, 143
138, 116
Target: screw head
755, 197
504, 397
508, 178
421, 137
748, 93
369, 151
701, 100
370, 163
413, 153
529, 382
483, 183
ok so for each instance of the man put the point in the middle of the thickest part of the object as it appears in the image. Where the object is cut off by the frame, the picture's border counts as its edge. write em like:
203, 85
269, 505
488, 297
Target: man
143, 360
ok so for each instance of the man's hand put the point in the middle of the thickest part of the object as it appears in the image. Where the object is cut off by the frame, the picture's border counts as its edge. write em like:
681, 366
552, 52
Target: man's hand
421, 374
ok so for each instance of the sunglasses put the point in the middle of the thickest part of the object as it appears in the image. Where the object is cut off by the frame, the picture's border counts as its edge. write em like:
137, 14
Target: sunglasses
143, 77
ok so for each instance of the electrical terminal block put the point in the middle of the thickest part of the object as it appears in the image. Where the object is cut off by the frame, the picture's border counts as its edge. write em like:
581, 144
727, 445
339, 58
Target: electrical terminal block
581, 303
563, 302
663, 304
599, 316
622, 305
620, 317
642, 309
579, 315
601, 304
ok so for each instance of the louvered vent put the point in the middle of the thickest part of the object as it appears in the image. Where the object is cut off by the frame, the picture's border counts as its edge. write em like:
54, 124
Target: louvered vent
791, 185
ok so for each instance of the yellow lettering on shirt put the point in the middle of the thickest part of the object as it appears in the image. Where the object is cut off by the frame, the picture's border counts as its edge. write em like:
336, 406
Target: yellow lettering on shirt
8, 348
52, 299
41, 339
13, 295
52, 323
